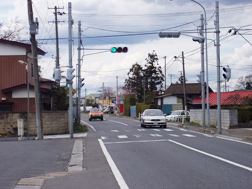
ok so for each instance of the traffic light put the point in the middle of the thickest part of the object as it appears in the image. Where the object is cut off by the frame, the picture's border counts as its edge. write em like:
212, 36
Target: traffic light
227, 74
119, 49
169, 34
81, 84
70, 75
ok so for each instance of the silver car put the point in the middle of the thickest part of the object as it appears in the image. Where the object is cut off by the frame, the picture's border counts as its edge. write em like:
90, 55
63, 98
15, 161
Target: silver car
153, 117
177, 115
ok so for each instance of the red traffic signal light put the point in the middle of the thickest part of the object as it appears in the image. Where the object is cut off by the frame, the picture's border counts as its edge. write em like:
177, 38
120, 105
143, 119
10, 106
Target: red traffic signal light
119, 49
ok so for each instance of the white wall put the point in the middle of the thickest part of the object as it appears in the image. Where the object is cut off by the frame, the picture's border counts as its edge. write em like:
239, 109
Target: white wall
170, 100
22, 93
8, 50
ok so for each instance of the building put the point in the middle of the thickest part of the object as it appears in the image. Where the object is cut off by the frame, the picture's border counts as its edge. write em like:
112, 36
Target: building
173, 97
13, 79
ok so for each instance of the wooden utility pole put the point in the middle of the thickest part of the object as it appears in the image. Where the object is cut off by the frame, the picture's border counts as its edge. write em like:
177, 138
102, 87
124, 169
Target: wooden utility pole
33, 32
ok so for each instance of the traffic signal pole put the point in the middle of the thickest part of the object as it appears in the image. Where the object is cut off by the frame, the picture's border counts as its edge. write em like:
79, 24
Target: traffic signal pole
70, 111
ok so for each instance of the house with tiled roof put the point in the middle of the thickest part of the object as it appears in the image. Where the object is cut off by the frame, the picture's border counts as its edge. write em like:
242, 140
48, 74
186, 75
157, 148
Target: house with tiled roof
172, 99
13, 79
233, 98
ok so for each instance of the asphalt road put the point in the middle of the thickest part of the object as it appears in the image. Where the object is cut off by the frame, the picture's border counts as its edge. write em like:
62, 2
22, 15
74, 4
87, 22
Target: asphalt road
171, 157
25, 159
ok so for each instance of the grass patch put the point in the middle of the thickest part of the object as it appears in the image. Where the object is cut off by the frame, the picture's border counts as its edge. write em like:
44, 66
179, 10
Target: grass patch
194, 123
82, 128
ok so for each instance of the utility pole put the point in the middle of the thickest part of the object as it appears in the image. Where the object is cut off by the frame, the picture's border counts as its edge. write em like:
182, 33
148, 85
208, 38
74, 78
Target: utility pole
184, 84
102, 95
85, 100
171, 76
70, 112
56, 31
117, 97
165, 71
218, 65
202, 75
79, 75
33, 32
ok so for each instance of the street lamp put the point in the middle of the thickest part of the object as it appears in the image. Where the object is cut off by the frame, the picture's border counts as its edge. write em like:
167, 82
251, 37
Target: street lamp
28, 99
208, 113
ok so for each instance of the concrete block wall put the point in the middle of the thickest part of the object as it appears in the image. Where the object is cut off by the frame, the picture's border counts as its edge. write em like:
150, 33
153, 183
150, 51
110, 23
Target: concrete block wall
54, 122
229, 118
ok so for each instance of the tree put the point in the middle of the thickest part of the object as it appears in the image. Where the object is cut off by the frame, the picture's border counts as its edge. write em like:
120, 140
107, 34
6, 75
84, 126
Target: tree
153, 74
134, 83
244, 83
61, 100
12, 30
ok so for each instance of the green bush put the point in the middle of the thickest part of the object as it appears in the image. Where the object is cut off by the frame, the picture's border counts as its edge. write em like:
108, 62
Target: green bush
128, 101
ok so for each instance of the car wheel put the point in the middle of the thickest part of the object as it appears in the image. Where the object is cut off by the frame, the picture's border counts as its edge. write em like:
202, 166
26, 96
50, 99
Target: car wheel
165, 126
102, 119
90, 119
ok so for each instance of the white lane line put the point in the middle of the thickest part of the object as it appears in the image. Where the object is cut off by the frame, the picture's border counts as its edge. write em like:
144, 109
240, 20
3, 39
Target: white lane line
168, 130
174, 135
213, 156
137, 141
104, 137
156, 129
183, 130
141, 129
122, 136
118, 122
233, 139
88, 125
114, 131
156, 135
188, 135
116, 172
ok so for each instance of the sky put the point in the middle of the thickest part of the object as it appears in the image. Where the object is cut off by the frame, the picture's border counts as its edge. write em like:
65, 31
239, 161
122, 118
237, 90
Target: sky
135, 24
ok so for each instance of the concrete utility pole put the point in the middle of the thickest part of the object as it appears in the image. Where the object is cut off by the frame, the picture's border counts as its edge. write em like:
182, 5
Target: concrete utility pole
165, 71
70, 111
184, 84
171, 76
218, 65
202, 74
33, 32
102, 95
79, 75
117, 97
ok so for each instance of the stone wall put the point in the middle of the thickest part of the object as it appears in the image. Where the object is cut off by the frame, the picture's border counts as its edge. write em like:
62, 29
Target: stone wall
54, 122
229, 118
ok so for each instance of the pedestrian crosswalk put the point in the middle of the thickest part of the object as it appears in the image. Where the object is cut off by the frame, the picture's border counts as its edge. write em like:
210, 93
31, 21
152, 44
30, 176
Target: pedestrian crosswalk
156, 133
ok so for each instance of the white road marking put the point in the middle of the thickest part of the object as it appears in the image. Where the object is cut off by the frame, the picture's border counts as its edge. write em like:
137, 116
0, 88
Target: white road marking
89, 125
104, 137
213, 156
188, 135
156, 129
174, 135
139, 141
122, 136
114, 131
156, 135
137, 136
233, 139
169, 130
113, 167
118, 122
183, 130
141, 129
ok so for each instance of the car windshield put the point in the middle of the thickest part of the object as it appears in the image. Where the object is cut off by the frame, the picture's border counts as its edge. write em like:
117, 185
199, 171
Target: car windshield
153, 113
175, 113
95, 110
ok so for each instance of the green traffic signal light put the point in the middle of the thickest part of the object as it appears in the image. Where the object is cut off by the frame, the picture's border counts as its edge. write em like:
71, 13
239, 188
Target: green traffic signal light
113, 49
119, 49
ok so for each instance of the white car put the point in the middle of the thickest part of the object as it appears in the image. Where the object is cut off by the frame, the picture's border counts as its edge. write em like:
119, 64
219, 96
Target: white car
177, 115
153, 117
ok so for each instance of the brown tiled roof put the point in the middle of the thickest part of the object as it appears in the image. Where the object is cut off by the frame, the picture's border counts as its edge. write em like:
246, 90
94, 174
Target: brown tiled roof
25, 45
178, 89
